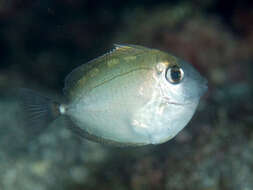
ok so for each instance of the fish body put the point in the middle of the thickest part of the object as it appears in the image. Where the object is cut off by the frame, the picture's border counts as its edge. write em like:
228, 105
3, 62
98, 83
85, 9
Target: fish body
132, 96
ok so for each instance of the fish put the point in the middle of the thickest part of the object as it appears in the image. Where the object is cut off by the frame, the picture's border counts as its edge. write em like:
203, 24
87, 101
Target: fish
131, 96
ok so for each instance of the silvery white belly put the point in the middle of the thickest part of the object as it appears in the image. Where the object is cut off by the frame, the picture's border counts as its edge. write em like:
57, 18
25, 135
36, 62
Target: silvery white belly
108, 111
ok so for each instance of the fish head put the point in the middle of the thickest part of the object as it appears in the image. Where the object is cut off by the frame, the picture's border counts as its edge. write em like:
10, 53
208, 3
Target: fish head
175, 95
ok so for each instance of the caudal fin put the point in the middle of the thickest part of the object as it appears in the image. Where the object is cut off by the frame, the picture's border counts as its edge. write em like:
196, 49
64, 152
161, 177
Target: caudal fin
39, 110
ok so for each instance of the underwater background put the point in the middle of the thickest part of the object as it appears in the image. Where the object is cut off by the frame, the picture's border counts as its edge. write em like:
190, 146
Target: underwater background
41, 41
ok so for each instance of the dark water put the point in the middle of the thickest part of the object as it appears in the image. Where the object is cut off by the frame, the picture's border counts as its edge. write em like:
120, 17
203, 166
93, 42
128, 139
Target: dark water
42, 41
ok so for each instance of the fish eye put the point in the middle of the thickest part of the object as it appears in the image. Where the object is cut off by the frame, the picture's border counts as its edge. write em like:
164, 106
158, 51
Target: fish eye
174, 74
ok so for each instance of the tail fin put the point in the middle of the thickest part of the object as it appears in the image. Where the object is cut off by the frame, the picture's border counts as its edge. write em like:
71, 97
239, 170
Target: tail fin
40, 111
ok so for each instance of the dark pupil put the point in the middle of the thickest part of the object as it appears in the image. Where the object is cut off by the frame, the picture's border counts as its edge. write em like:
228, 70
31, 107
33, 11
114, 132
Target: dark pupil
175, 74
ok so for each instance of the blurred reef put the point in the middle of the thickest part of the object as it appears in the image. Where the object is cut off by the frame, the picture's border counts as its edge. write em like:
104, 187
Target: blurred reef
42, 41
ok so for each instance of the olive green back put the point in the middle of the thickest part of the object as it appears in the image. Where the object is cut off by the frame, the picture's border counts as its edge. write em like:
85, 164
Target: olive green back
123, 59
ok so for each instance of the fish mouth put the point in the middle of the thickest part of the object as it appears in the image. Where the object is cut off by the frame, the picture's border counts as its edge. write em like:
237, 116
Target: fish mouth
167, 100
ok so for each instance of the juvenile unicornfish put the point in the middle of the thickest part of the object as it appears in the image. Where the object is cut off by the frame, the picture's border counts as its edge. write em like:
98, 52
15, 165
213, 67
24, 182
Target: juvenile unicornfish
132, 95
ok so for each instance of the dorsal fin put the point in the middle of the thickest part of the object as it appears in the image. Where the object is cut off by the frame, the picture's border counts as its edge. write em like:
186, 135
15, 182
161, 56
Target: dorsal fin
118, 51
130, 46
